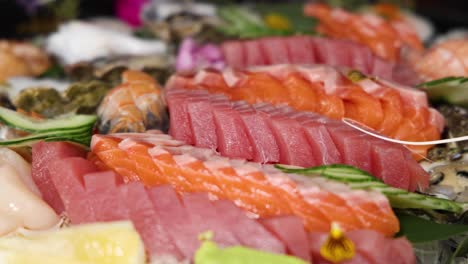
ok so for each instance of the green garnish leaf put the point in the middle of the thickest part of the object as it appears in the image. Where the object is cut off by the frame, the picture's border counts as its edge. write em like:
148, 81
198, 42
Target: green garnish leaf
419, 230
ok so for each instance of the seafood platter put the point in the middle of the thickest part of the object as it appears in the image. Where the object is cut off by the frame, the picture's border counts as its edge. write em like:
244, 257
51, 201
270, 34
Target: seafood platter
269, 133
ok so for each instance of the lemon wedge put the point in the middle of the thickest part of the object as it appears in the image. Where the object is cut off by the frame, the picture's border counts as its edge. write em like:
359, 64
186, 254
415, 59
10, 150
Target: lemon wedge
104, 243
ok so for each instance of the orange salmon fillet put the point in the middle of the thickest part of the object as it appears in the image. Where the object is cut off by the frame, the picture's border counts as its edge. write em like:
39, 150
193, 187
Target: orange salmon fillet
258, 190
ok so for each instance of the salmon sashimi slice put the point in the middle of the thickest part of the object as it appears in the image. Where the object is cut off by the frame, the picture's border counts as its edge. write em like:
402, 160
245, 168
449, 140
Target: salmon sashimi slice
369, 208
260, 198
361, 106
303, 96
149, 173
330, 105
261, 87
108, 152
259, 189
392, 110
166, 163
200, 177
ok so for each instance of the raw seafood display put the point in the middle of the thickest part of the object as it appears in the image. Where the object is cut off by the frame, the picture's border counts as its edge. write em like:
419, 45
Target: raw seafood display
324, 132
170, 224
394, 110
268, 134
241, 182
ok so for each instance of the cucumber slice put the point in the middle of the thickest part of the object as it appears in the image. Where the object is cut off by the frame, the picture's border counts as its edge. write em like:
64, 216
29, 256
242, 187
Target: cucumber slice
80, 135
358, 179
23, 122
453, 90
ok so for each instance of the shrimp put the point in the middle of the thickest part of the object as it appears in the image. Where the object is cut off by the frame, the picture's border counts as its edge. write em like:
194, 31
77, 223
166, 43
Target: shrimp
449, 58
384, 38
134, 106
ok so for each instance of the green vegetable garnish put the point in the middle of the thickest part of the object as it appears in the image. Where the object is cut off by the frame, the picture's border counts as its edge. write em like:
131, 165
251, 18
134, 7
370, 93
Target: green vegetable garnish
74, 128
453, 90
359, 179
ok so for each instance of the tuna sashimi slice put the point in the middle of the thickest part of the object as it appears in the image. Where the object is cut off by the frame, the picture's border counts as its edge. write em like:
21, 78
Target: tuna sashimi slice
419, 177
361, 58
107, 201
179, 125
290, 230
253, 52
321, 143
67, 176
355, 150
202, 124
147, 222
332, 52
42, 154
293, 145
300, 50
175, 219
233, 52
265, 148
373, 245
389, 164
275, 50
249, 232
204, 218
232, 136
383, 69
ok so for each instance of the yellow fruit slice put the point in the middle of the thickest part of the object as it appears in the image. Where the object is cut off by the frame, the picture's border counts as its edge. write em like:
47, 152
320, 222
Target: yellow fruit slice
104, 243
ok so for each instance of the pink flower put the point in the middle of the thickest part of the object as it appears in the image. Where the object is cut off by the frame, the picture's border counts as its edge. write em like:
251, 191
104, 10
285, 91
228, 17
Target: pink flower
129, 11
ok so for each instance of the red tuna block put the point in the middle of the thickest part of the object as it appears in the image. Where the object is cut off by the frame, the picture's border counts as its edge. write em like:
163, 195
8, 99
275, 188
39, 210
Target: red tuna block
275, 50
290, 230
175, 219
234, 53
419, 177
233, 141
147, 222
248, 231
383, 69
321, 143
355, 149
332, 52
179, 126
300, 49
293, 145
43, 153
67, 176
107, 200
379, 249
202, 124
361, 57
389, 164
204, 218
265, 148
253, 52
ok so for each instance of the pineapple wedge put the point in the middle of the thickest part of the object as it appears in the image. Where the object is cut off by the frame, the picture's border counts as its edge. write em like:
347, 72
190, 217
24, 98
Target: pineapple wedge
104, 243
